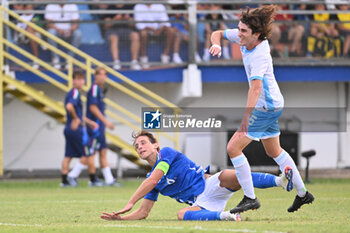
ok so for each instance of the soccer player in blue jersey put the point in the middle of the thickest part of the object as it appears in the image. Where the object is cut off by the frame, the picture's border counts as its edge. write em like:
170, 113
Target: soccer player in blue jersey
77, 140
95, 111
176, 176
264, 105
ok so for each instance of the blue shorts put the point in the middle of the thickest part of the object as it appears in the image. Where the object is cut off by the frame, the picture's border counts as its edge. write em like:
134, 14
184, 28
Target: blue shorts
98, 139
77, 142
263, 125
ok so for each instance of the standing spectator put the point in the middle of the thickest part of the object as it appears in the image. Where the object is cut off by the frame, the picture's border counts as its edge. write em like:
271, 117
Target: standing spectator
68, 31
344, 28
121, 32
21, 38
96, 112
151, 13
215, 23
77, 140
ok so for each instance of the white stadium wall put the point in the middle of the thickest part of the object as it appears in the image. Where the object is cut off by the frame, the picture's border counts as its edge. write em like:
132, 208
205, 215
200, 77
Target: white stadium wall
33, 140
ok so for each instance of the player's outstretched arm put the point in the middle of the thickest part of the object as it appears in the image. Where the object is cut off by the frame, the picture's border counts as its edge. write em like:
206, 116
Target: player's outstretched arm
140, 213
146, 186
215, 39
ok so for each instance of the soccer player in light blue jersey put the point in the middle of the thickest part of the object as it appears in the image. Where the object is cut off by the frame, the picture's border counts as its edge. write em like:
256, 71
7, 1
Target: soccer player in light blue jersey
264, 105
176, 176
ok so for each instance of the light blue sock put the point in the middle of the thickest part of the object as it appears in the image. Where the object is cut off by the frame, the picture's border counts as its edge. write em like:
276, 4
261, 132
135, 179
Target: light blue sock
263, 180
202, 215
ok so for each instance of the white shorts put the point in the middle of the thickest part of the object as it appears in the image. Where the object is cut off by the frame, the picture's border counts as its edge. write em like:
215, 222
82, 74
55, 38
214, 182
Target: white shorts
214, 197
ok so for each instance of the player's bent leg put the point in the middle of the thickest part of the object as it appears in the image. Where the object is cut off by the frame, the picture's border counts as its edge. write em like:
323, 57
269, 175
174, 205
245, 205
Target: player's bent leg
284, 160
235, 146
196, 213
181, 212
228, 179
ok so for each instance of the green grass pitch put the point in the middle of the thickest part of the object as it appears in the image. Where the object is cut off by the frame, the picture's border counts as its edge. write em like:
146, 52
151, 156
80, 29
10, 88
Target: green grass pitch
41, 206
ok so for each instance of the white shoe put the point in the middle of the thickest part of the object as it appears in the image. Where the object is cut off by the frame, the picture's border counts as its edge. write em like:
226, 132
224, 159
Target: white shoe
197, 58
177, 59
286, 179
164, 59
226, 56
116, 65
206, 57
135, 65
35, 66
226, 215
56, 63
144, 62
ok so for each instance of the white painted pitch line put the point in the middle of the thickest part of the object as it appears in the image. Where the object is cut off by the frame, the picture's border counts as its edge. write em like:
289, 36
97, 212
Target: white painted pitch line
19, 225
197, 228
64, 202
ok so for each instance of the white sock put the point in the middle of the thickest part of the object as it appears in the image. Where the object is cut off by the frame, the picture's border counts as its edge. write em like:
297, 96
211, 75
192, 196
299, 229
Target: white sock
77, 169
284, 160
107, 174
278, 181
243, 174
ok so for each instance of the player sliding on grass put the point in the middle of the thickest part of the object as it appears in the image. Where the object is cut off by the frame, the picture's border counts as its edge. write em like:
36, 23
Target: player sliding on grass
264, 105
174, 175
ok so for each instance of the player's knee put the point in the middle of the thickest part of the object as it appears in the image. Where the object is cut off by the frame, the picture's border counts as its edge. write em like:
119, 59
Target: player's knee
181, 214
232, 149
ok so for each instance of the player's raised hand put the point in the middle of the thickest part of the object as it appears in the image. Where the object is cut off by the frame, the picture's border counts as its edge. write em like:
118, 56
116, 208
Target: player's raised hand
109, 217
215, 50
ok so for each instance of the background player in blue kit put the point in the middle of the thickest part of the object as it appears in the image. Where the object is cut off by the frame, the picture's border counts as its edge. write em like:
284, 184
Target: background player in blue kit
174, 175
95, 111
77, 139
264, 105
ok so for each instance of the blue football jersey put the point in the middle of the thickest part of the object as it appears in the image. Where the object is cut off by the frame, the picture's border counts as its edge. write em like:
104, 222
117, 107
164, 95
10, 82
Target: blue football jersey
184, 180
95, 96
73, 97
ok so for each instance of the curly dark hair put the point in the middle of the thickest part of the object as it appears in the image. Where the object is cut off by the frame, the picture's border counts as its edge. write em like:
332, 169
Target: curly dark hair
150, 136
260, 20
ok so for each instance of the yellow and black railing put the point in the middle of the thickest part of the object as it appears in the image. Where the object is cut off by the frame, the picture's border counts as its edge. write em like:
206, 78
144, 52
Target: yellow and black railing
53, 108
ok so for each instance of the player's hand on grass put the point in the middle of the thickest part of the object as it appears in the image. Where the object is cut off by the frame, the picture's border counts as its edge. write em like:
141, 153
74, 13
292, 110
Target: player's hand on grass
215, 50
75, 123
127, 208
109, 217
